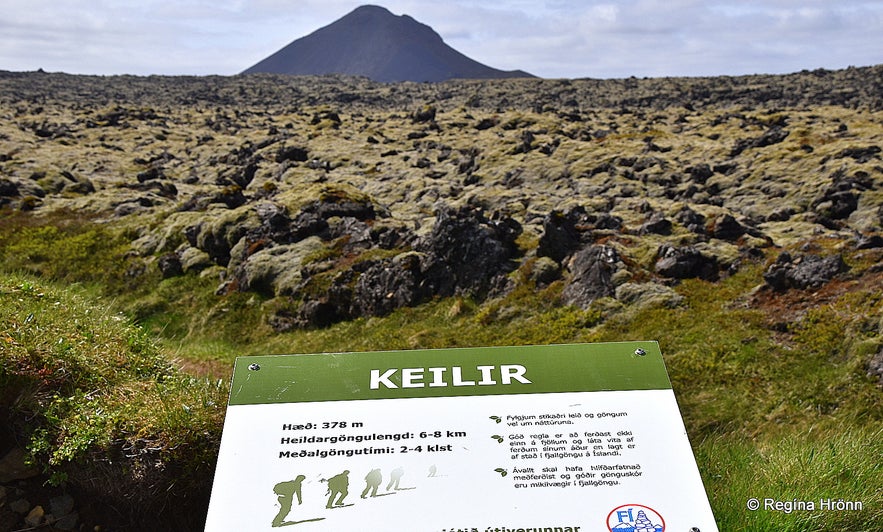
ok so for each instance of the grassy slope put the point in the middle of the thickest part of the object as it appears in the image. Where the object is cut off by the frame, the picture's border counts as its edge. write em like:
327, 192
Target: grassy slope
99, 404
769, 414
769, 411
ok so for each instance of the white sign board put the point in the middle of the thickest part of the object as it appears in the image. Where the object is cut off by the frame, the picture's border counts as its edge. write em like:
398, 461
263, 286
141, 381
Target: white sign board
548, 438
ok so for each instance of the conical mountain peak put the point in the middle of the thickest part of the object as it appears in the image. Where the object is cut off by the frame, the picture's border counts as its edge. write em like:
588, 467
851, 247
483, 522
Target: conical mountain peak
371, 41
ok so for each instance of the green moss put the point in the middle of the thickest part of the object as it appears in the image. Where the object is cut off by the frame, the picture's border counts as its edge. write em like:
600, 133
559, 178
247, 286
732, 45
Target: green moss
80, 382
339, 193
65, 249
329, 252
187, 309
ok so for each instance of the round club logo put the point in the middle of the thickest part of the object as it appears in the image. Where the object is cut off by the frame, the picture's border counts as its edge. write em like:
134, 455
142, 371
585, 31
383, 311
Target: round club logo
635, 518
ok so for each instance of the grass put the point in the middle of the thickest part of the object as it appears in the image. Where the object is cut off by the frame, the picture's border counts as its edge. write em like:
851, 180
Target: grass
186, 309
97, 402
66, 247
817, 466
791, 418
781, 414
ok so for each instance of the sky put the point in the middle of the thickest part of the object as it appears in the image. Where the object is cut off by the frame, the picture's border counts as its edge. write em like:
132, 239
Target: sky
548, 38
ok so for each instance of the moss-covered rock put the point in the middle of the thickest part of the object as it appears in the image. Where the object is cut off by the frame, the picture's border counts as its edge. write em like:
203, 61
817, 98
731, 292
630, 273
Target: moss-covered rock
277, 270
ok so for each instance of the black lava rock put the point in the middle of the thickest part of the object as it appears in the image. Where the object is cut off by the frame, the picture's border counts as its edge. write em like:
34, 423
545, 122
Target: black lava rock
685, 263
563, 233
657, 224
808, 271
773, 135
466, 251
170, 265
388, 285
725, 227
592, 270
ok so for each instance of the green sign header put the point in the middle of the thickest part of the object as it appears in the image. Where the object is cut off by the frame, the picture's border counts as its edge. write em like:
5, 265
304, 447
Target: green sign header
448, 373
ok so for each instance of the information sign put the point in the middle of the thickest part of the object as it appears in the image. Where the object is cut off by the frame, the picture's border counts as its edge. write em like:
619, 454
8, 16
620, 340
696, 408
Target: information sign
560, 438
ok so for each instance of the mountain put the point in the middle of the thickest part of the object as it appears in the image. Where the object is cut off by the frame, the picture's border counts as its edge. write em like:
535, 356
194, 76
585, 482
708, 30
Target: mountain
372, 42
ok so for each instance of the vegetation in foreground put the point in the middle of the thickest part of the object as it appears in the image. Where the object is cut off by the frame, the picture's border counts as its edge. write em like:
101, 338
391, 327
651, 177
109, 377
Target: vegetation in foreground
124, 202
775, 394
100, 406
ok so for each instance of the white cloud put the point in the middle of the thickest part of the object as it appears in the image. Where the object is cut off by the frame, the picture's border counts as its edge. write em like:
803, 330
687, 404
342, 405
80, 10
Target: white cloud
551, 38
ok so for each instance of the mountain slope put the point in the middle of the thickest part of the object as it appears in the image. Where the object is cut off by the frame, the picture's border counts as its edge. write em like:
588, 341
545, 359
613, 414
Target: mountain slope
372, 42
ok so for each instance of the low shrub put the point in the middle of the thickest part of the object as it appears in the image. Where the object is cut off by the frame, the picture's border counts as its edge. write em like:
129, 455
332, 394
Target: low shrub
101, 408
